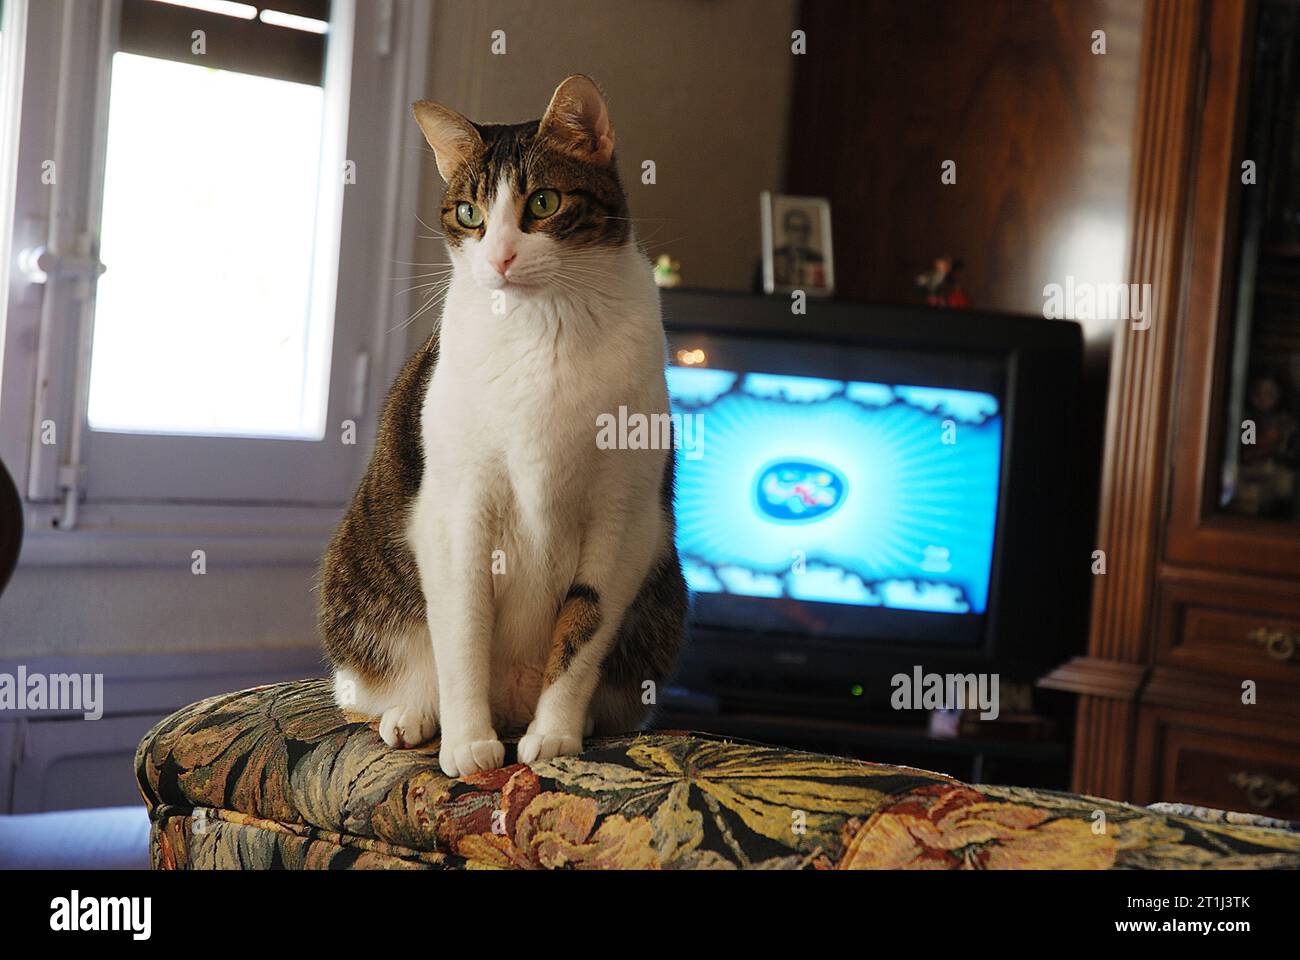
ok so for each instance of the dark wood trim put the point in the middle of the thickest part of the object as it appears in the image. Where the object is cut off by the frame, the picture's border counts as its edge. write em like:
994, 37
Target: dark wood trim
1109, 679
1197, 532
1221, 695
1142, 378
1103, 747
1142, 371
1196, 607
1199, 577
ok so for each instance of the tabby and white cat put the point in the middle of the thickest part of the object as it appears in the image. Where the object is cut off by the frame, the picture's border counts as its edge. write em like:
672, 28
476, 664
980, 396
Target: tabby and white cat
496, 568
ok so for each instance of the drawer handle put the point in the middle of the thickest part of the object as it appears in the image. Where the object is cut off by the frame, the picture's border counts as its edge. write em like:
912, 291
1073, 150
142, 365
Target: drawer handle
1278, 644
1262, 791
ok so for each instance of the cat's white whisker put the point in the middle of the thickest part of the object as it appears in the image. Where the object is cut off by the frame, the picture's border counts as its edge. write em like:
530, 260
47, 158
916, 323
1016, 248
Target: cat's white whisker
662, 243
418, 286
432, 229
432, 273
446, 272
434, 298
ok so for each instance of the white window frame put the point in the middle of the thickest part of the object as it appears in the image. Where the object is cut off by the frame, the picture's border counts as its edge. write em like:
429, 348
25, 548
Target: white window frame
45, 335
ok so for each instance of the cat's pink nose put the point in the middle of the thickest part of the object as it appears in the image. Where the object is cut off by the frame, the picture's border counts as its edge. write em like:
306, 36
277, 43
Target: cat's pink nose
502, 263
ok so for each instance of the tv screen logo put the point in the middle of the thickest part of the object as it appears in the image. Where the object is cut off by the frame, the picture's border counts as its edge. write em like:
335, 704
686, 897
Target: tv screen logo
798, 491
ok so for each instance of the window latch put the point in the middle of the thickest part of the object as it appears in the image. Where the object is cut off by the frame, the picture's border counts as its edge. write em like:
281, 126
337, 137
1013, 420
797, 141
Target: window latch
40, 264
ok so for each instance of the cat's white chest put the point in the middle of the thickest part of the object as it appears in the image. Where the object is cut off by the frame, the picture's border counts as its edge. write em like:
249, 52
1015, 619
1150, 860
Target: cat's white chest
512, 469
504, 452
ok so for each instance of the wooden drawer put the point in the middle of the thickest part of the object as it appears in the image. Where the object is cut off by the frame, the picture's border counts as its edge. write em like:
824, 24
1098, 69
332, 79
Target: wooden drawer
1226, 765
1243, 626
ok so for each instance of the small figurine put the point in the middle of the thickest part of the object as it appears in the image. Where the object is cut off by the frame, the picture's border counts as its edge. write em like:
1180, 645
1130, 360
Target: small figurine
668, 272
941, 286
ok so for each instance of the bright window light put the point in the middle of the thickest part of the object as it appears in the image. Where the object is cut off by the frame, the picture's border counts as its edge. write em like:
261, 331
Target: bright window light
225, 7
12, 29
204, 320
294, 22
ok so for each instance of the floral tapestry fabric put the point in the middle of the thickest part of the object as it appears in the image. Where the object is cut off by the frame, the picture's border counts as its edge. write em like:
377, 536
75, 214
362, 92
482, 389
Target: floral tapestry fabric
278, 776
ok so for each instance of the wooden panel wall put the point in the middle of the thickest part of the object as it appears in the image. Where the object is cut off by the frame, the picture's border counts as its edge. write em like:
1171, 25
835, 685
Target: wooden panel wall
1040, 127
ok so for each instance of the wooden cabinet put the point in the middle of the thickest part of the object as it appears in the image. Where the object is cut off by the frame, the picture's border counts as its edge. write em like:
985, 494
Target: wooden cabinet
1247, 626
1235, 503
1229, 764
1190, 690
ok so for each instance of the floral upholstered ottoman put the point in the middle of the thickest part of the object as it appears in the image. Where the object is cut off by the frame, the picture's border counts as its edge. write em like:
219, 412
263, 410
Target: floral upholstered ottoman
277, 776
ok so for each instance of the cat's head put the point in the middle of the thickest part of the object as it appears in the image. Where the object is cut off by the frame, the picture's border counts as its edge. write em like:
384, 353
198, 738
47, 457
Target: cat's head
527, 203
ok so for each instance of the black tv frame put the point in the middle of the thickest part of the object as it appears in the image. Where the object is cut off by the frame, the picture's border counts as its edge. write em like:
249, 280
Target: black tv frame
1039, 584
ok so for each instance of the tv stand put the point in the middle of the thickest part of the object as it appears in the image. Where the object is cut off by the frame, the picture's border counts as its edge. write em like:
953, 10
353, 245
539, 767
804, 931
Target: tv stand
896, 739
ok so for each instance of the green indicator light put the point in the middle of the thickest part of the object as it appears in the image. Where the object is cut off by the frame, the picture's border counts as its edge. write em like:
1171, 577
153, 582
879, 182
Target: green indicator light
856, 689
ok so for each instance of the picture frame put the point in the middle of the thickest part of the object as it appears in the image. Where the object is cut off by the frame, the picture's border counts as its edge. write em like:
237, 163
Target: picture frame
797, 247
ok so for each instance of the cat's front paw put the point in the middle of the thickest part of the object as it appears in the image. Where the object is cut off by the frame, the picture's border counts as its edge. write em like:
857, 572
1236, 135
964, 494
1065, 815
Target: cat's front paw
545, 746
459, 759
407, 726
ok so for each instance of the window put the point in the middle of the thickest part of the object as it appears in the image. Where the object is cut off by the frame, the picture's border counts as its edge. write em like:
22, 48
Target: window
217, 333
12, 25
220, 333
206, 257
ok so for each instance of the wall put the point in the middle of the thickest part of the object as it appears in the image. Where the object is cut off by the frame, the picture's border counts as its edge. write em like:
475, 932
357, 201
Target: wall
701, 87
157, 609
1041, 130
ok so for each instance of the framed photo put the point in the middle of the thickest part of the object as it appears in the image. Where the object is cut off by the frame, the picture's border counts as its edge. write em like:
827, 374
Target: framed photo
797, 244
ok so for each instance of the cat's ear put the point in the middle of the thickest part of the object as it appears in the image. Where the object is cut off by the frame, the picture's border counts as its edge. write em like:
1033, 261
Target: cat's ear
452, 137
578, 120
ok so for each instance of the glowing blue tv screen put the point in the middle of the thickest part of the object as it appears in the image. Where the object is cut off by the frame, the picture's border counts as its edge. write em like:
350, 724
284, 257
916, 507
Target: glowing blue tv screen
809, 491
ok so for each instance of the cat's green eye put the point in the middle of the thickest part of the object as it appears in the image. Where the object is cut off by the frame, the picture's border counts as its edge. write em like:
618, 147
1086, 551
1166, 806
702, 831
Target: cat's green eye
543, 203
468, 215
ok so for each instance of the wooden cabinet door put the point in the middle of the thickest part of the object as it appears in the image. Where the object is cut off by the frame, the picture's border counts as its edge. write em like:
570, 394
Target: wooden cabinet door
1202, 529
1228, 764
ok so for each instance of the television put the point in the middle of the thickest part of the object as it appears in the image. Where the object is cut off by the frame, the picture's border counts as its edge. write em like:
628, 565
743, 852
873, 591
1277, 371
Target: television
864, 490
